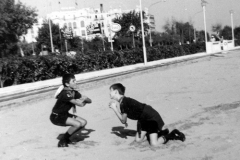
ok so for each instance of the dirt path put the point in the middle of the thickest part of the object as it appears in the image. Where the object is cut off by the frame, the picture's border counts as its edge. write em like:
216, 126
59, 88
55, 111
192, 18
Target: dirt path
201, 98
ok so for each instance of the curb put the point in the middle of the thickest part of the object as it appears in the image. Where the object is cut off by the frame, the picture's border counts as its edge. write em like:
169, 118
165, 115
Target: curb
24, 90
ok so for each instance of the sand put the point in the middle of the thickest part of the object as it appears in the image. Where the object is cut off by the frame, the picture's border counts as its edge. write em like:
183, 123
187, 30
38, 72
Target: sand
201, 98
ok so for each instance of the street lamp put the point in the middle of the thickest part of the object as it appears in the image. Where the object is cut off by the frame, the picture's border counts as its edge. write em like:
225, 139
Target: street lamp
204, 16
150, 32
194, 29
233, 39
143, 38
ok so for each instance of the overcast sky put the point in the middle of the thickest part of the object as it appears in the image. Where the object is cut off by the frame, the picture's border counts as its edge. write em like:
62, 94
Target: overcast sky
217, 11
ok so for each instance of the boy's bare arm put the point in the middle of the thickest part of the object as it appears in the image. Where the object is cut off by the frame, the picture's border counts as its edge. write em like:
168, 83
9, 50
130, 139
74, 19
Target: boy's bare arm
86, 99
115, 107
78, 102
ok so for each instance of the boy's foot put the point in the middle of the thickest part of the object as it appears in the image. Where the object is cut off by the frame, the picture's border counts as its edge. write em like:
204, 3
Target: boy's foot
179, 135
69, 141
62, 143
163, 132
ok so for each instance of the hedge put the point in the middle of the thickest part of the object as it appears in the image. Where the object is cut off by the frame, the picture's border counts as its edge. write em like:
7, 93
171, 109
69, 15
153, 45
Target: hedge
18, 70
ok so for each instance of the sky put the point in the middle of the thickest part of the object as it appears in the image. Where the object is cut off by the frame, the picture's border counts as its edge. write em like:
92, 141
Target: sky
217, 11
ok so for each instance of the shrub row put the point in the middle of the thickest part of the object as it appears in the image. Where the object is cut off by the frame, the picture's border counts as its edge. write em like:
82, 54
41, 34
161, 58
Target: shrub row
19, 70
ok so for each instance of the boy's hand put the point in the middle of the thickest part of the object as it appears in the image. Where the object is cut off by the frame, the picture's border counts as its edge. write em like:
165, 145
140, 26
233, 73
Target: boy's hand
86, 99
112, 104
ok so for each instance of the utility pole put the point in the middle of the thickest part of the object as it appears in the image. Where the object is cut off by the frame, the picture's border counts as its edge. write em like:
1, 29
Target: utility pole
50, 30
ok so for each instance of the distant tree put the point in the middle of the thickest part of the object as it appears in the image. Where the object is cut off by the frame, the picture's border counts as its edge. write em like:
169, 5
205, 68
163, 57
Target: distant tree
15, 20
28, 48
179, 31
217, 28
128, 19
227, 32
201, 36
124, 42
237, 33
44, 36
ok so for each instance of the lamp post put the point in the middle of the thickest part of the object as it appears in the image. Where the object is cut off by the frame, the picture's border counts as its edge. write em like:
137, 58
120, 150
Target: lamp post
204, 16
50, 31
194, 29
143, 38
233, 39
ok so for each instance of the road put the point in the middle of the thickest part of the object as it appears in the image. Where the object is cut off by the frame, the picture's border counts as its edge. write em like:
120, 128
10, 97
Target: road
200, 97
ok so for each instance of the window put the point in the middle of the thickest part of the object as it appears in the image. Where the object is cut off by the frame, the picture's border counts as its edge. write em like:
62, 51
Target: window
70, 25
74, 25
82, 24
83, 33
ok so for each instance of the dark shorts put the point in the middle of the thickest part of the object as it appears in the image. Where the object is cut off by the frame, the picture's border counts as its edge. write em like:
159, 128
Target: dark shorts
60, 119
149, 126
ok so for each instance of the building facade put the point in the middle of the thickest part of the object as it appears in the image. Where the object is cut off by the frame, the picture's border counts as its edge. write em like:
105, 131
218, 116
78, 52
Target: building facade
86, 23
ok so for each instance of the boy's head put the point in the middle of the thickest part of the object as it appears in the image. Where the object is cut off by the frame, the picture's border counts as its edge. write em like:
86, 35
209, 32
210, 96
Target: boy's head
68, 80
116, 90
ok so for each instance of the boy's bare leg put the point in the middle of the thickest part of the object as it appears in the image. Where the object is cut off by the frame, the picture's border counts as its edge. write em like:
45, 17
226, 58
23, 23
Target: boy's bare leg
154, 140
76, 124
142, 136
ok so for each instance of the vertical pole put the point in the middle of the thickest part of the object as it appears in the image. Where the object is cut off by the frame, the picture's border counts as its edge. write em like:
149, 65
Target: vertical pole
32, 41
103, 43
111, 42
205, 28
66, 45
143, 38
195, 38
33, 48
111, 36
82, 46
233, 39
133, 40
50, 30
60, 38
150, 37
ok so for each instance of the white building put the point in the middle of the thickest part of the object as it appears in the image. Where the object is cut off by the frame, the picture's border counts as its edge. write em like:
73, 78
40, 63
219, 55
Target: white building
33, 32
85, 23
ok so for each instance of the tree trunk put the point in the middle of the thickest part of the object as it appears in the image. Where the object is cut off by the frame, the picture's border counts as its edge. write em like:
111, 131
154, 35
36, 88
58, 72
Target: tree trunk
19, 46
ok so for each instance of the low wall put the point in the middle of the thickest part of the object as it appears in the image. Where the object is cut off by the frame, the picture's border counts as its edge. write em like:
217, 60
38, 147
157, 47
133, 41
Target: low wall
52, 84
218, 46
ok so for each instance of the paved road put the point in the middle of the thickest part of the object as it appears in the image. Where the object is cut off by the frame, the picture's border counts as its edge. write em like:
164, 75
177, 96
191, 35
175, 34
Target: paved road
200, 97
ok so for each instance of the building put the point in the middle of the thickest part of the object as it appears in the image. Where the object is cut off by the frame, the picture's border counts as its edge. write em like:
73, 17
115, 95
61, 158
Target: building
86, 23
33, 32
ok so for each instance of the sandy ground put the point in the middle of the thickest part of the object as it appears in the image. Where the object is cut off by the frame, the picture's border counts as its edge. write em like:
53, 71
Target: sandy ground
201, 98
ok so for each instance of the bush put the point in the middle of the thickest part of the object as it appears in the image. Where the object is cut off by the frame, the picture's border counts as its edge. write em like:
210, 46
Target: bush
37, 68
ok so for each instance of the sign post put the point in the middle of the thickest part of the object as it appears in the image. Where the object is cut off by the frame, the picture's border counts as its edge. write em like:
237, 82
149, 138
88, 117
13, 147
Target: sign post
113, 27
132, 28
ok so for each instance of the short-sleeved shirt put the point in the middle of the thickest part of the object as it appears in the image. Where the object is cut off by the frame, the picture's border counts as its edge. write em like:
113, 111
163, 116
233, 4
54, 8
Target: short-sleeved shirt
63, 104
140, 111
132, 108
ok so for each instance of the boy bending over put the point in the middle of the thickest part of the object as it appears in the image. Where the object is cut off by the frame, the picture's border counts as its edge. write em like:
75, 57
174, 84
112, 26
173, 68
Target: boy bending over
149, 121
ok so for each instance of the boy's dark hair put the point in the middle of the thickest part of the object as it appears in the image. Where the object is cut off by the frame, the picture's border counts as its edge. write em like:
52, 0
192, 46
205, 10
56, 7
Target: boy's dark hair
119, 87
66, 78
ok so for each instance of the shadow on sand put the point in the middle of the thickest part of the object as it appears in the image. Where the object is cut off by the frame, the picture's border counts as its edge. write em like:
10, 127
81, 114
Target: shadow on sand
79, 135
123, 133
